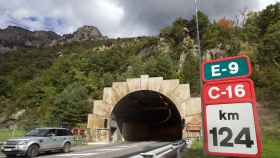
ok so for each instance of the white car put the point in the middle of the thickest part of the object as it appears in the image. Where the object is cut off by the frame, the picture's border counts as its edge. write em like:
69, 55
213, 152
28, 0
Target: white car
37, 141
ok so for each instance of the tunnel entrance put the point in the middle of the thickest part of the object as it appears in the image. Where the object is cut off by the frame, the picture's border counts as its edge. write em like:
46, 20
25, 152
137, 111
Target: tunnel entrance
147, 115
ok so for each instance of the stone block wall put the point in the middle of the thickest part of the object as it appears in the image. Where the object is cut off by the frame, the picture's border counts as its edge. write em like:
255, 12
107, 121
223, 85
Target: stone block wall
179, 94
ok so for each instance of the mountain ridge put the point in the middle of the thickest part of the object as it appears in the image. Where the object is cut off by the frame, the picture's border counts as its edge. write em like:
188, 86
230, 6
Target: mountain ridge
14, 37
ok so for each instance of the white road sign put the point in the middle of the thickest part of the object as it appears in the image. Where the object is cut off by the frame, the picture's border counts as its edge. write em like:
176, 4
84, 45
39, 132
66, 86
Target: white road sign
231, 128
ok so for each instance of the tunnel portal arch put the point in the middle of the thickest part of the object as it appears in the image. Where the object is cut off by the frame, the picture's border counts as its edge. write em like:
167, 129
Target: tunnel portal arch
147, 115
111, 119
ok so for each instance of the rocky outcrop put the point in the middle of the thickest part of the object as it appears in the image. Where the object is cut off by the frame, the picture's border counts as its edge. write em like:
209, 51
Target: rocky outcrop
4, 49
85, 33
14, 37
7, 121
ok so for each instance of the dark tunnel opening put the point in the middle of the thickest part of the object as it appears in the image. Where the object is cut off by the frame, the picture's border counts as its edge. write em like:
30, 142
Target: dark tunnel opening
147, 115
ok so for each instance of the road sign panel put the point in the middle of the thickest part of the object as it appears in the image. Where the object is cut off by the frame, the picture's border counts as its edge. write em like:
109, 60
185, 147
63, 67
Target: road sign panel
228, 91
231, 125
232, 130
226, 68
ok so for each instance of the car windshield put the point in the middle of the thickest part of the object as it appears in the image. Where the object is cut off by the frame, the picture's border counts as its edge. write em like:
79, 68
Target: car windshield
38, 132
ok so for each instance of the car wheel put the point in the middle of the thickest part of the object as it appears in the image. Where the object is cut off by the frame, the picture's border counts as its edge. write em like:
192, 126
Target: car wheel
32, 151
66, 147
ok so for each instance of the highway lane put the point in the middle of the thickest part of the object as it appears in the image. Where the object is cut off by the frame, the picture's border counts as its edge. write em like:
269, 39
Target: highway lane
123, 150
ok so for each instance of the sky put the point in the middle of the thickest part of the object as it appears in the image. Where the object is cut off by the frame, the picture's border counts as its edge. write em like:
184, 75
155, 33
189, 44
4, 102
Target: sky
115, 18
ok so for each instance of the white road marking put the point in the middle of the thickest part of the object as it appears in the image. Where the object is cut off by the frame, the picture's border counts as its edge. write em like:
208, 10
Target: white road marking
97, 143
114, 149
124, 146
81, 154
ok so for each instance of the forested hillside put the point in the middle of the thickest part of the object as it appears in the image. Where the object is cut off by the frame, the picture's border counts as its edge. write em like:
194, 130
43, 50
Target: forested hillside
56, 85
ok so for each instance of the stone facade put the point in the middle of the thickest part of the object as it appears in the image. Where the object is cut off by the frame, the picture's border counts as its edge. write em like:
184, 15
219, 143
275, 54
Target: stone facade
179, 94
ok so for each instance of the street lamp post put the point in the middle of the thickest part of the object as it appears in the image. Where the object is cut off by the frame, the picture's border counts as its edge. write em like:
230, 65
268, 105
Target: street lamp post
198, 41
200, 58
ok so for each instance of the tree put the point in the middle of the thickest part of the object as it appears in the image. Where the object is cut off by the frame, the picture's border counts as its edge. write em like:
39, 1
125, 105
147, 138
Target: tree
71, 105
5, 87
176, 32
225, 24
223, 36
269, 48
269, 16
251, 31
161, 65
191, 73
203, 24
267, 76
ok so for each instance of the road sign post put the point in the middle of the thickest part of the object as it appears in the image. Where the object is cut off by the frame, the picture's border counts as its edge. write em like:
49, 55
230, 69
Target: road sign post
231, 125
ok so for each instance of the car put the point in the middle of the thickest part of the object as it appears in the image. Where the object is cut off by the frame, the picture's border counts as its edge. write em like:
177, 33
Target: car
37, 141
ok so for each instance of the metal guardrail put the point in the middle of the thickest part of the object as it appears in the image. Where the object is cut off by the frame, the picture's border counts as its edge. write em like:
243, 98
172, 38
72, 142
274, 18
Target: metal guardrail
164, 151
1, 154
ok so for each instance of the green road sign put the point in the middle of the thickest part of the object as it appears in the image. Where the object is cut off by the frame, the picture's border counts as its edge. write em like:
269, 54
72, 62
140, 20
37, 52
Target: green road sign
231, 67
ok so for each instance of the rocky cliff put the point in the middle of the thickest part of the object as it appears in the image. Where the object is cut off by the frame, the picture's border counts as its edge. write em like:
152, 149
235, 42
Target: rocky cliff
14, 37
85, 33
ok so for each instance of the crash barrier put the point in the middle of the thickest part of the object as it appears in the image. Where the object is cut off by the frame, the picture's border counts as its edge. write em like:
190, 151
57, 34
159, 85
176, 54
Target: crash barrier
79, 136
79, 140
1, 144
174, 149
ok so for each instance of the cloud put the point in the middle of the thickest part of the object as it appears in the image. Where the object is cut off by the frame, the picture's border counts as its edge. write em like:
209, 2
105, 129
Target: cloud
113, 17
155, 14
61, 16
264, 3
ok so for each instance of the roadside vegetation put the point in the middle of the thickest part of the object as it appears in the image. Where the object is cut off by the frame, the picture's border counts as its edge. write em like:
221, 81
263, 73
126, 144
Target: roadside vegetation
196, 151
9, 133
271, 145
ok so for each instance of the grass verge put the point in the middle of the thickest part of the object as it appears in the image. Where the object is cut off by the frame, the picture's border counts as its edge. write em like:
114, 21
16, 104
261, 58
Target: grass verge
7, 134
196, 151
271, 148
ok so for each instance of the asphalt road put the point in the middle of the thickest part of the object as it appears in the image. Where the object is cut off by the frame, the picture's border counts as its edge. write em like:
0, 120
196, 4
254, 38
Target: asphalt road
106, 151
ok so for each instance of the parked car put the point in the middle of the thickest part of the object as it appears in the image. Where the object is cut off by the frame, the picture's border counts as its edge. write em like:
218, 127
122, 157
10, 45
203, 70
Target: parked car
37, 141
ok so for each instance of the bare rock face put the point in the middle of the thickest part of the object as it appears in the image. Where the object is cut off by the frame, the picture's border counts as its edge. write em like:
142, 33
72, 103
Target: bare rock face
14, 37
85, 33
7, 121
4, 49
